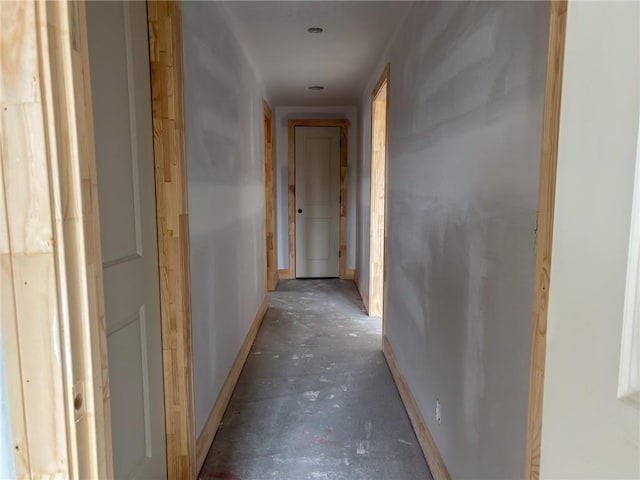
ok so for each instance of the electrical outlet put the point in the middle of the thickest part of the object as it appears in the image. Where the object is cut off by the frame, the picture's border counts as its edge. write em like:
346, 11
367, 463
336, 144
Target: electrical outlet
438, 412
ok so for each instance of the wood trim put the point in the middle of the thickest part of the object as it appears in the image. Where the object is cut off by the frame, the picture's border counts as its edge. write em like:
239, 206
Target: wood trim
205, 439
340, 122
87, 201
50, 249
384, 77
165, 51
270, 218
344, 151
284, 274
385, 283
344, 140
544, 234
292, 200
427, 444
363, 294
351, 274
377, 223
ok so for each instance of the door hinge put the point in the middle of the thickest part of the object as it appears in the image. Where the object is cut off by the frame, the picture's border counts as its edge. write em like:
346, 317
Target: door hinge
339, 254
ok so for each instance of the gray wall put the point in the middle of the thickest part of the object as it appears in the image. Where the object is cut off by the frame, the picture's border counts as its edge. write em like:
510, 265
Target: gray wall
466, 97
223, 108
363, 189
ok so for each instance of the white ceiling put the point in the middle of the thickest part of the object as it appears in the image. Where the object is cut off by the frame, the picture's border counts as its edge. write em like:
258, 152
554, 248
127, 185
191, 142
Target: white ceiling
289, 59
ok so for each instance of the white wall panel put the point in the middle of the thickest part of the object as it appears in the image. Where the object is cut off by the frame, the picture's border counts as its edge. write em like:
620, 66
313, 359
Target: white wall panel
587, 432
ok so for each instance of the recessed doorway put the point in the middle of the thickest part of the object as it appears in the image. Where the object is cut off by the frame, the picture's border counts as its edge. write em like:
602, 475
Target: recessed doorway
320, 245
317, 202
379, 119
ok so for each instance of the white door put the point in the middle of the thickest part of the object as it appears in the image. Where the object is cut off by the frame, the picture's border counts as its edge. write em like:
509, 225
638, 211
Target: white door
119, 60
317, 201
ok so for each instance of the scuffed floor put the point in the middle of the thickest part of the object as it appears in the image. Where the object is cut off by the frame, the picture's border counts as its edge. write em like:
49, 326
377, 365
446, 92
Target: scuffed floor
316, 399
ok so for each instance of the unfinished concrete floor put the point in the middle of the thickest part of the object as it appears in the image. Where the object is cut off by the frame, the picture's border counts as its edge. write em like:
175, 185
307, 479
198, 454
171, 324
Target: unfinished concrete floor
316, 399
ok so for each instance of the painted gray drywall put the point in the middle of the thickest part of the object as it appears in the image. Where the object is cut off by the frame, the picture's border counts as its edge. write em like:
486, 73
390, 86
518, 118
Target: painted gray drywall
363, 194
466, 97
282, 116
223, 109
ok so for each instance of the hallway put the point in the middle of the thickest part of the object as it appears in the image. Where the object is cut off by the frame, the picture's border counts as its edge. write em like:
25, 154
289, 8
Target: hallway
316, 399
180, 179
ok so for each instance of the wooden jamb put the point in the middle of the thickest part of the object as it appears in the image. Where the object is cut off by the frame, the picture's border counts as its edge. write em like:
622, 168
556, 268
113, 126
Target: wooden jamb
544, 234
377, 223
283, 274
50, 252
343, 124
270, 222
165, 53
50, 243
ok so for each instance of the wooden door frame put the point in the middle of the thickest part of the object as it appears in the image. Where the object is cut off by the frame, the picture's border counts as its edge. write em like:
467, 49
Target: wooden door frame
52, 247
344, 125
378, 297
544, 234
271, 272
167, 94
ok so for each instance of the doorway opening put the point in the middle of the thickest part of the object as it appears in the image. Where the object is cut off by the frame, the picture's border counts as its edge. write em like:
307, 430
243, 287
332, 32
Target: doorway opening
377, 233
298, 247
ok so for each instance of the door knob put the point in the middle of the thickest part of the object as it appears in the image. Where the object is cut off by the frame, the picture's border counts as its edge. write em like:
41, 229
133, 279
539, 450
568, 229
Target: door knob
299, 210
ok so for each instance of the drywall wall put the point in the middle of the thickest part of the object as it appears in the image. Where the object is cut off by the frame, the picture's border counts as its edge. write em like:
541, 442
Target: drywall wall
465, 106
363, 193
282, 116
223, 110
586, 431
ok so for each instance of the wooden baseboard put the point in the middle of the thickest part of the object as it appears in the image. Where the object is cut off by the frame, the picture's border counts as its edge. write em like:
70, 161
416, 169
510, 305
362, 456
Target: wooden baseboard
429, 448
284, 274
213, 422
363, 295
